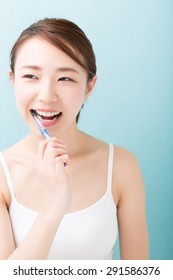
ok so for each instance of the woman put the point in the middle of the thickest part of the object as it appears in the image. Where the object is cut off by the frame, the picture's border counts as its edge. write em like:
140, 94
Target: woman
65, 197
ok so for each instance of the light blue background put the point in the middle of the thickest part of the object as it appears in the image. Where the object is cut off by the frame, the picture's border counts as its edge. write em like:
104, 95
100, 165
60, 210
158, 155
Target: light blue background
131, 105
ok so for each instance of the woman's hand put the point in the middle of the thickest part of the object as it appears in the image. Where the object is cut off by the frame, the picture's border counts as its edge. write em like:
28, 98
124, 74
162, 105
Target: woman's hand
53, 181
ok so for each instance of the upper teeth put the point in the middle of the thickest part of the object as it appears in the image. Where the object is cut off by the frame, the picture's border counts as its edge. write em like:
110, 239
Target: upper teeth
47, 114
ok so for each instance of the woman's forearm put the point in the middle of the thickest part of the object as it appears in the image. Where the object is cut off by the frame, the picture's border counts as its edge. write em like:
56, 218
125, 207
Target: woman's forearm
39, 239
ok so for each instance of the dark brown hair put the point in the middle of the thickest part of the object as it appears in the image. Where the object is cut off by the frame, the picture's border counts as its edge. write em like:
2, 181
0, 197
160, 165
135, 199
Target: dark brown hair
66, 36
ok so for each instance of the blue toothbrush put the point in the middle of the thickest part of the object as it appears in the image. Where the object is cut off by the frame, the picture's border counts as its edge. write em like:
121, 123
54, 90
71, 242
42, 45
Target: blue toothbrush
42, 129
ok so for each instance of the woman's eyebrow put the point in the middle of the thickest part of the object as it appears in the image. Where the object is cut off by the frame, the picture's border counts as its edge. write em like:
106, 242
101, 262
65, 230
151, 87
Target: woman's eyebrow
35, 67
66, 69
58, 69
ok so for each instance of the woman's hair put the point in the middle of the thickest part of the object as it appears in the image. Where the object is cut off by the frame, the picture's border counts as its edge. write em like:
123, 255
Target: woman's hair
66, 36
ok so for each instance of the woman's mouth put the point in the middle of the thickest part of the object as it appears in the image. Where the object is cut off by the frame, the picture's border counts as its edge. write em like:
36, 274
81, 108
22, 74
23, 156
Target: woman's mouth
47, 118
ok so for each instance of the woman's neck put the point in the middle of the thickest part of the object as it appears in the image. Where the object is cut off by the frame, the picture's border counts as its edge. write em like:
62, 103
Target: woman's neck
73, 140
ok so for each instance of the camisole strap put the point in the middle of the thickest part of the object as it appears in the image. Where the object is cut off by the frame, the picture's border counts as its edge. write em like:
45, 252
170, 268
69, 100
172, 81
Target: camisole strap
7, 174
110, 167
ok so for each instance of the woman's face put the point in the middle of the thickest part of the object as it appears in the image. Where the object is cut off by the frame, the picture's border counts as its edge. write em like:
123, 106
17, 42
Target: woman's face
48, 81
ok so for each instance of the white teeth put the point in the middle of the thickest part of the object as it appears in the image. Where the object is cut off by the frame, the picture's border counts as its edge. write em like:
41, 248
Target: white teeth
47, 114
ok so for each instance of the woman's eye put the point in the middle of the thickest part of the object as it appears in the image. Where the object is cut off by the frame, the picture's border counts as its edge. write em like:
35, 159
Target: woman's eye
30, 76
65, 79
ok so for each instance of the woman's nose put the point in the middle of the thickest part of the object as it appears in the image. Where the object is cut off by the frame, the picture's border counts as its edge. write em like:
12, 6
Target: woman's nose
47, 93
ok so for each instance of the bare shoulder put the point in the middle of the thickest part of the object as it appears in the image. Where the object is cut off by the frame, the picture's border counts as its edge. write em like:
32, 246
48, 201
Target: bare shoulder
125, 160
4, 191
9, 156
127, 177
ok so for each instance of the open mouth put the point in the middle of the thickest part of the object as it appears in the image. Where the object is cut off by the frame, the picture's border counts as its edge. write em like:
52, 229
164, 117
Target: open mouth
46, 116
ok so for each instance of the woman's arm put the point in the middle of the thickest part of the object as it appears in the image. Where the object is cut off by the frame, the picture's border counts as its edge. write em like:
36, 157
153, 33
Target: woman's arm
56, 197
38, 241
128, 184
7, 245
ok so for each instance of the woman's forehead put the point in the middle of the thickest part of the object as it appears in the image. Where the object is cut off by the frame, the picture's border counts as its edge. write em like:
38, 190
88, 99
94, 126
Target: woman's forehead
37, 53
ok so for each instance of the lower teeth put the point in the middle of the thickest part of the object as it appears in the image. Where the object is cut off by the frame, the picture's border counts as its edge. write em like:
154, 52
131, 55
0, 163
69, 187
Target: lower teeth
48, 120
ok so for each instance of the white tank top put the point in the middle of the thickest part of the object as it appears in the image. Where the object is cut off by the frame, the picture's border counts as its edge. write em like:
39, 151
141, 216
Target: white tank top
89, 233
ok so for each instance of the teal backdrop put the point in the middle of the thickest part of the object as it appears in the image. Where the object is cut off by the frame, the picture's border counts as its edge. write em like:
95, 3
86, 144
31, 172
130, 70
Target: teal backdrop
131, 105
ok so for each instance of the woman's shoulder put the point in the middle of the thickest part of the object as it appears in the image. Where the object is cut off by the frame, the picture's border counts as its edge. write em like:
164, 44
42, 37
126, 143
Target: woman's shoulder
122, 156
126, 172
4, 190
9, 157
125, 158
126, 175
126, 164
13, 153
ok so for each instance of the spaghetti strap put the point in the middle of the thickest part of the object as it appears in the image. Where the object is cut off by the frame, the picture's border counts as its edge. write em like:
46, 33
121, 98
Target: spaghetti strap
7, 174
110, 167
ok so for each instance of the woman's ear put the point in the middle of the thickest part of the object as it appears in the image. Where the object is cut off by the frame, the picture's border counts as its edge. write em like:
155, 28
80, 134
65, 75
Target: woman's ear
11, 76
90, 86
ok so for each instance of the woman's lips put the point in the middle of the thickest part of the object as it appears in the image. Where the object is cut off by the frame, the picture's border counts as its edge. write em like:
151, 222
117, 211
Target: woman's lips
47, 118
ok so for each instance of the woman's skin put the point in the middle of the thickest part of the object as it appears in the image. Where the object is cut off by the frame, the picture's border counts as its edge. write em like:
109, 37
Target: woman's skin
47, 80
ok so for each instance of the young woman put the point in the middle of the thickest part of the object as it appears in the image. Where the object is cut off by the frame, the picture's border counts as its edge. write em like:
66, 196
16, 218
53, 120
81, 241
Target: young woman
65, 197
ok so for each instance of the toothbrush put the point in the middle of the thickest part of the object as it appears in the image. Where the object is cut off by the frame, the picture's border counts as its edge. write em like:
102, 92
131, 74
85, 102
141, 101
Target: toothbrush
42, 129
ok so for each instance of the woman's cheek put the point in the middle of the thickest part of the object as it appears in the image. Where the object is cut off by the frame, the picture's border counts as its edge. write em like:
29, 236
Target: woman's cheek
23, 102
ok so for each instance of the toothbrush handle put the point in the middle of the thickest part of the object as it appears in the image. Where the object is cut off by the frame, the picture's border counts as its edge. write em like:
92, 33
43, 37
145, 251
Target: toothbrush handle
44, 133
